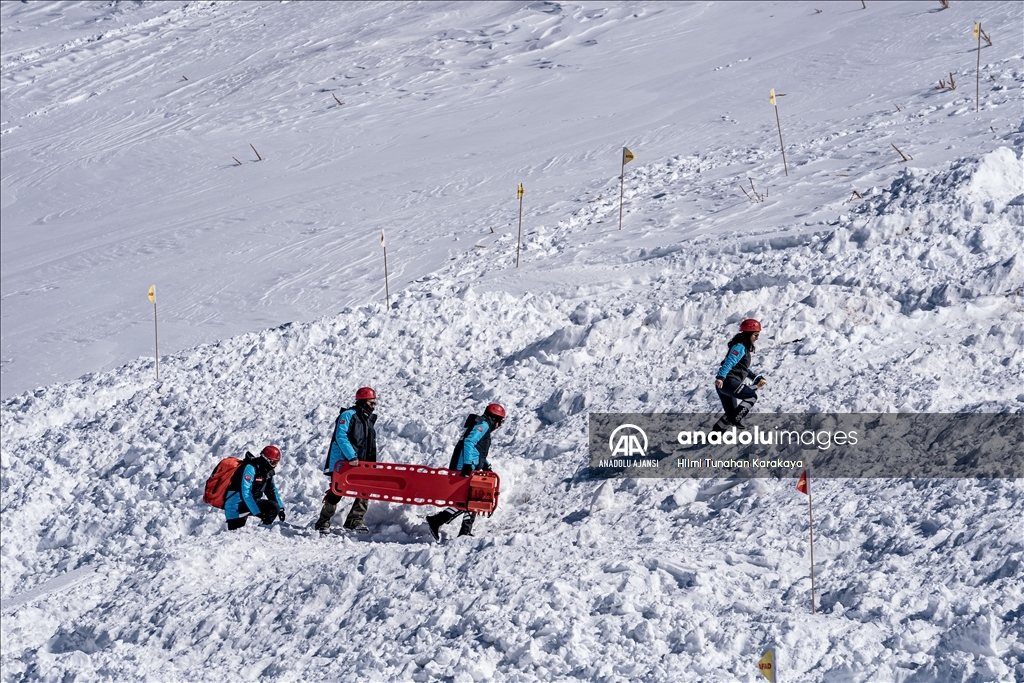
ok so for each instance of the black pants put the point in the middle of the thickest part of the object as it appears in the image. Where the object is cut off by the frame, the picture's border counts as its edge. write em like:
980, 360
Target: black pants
268, 510
737, 398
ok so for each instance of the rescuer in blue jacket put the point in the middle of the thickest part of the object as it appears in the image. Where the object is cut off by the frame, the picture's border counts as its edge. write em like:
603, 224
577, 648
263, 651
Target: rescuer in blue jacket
252, 490
354, 439
736, 395
470, 454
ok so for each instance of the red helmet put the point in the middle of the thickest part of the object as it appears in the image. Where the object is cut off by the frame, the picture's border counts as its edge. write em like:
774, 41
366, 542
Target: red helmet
366, 393
750, 325
496, 410
273, 454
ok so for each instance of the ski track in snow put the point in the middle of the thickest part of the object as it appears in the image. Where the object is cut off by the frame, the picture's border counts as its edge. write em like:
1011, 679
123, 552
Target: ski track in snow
908, 299
125, 172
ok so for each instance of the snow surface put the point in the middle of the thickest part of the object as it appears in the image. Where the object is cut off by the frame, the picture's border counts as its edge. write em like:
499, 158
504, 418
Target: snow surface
117, 173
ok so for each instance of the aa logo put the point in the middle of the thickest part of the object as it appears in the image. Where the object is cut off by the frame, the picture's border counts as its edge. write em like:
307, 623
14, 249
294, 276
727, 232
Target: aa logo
628, 441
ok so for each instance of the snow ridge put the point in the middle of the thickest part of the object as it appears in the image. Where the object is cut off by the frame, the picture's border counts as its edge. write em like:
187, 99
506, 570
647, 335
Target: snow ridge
135, 540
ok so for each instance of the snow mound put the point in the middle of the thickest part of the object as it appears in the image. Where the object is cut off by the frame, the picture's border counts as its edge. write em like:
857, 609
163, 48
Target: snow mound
110, 563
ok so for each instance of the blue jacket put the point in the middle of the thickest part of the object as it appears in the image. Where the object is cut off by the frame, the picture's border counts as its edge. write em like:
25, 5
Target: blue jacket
251, 482
474, 445
354, 438
736, 364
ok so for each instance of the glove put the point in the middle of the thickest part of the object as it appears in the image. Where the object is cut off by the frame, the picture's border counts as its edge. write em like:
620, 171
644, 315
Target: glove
760, 381
280, 515
467, 470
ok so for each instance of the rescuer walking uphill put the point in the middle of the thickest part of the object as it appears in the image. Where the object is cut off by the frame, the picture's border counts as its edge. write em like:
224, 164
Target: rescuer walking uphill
470, 454
736, 395
354, 439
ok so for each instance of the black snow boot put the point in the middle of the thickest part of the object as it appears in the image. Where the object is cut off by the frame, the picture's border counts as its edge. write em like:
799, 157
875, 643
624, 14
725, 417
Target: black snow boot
436, 521
467, 524
354, 521
324, 522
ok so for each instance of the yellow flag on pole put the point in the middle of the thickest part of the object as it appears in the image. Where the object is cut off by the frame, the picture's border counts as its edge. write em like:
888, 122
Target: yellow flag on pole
382, 239
152, 294
627, 156
519, 191
766, 665
771, 97
977, 30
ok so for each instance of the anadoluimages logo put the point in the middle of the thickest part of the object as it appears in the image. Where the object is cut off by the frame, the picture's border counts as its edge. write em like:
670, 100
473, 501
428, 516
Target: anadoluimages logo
835, 445
628, 443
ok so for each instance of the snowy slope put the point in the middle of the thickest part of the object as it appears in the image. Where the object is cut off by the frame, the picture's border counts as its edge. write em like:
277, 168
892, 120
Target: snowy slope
908, 299
118, 173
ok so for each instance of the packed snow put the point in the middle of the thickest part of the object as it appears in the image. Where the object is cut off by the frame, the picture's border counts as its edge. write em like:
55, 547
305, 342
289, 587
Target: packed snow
883, 286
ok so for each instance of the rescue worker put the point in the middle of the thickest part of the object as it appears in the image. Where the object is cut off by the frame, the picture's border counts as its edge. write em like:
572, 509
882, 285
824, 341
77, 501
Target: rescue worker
736, 395
470, 454
252, 490
354, 439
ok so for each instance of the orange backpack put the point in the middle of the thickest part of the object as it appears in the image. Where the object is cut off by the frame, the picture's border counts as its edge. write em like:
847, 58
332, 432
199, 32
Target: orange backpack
218, 483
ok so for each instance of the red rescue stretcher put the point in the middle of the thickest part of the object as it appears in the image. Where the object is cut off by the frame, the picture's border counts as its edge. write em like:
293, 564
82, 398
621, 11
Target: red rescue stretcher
417, 485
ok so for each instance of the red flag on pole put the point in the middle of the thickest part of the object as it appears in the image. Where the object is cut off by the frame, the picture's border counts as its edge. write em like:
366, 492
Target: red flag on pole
804, 487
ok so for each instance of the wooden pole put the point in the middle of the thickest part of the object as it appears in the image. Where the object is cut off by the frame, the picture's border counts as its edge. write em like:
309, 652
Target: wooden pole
387, 291
156, 337
622, 186
810, 517
777, 121
519, 242
627, 157
156, 330
977, 75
